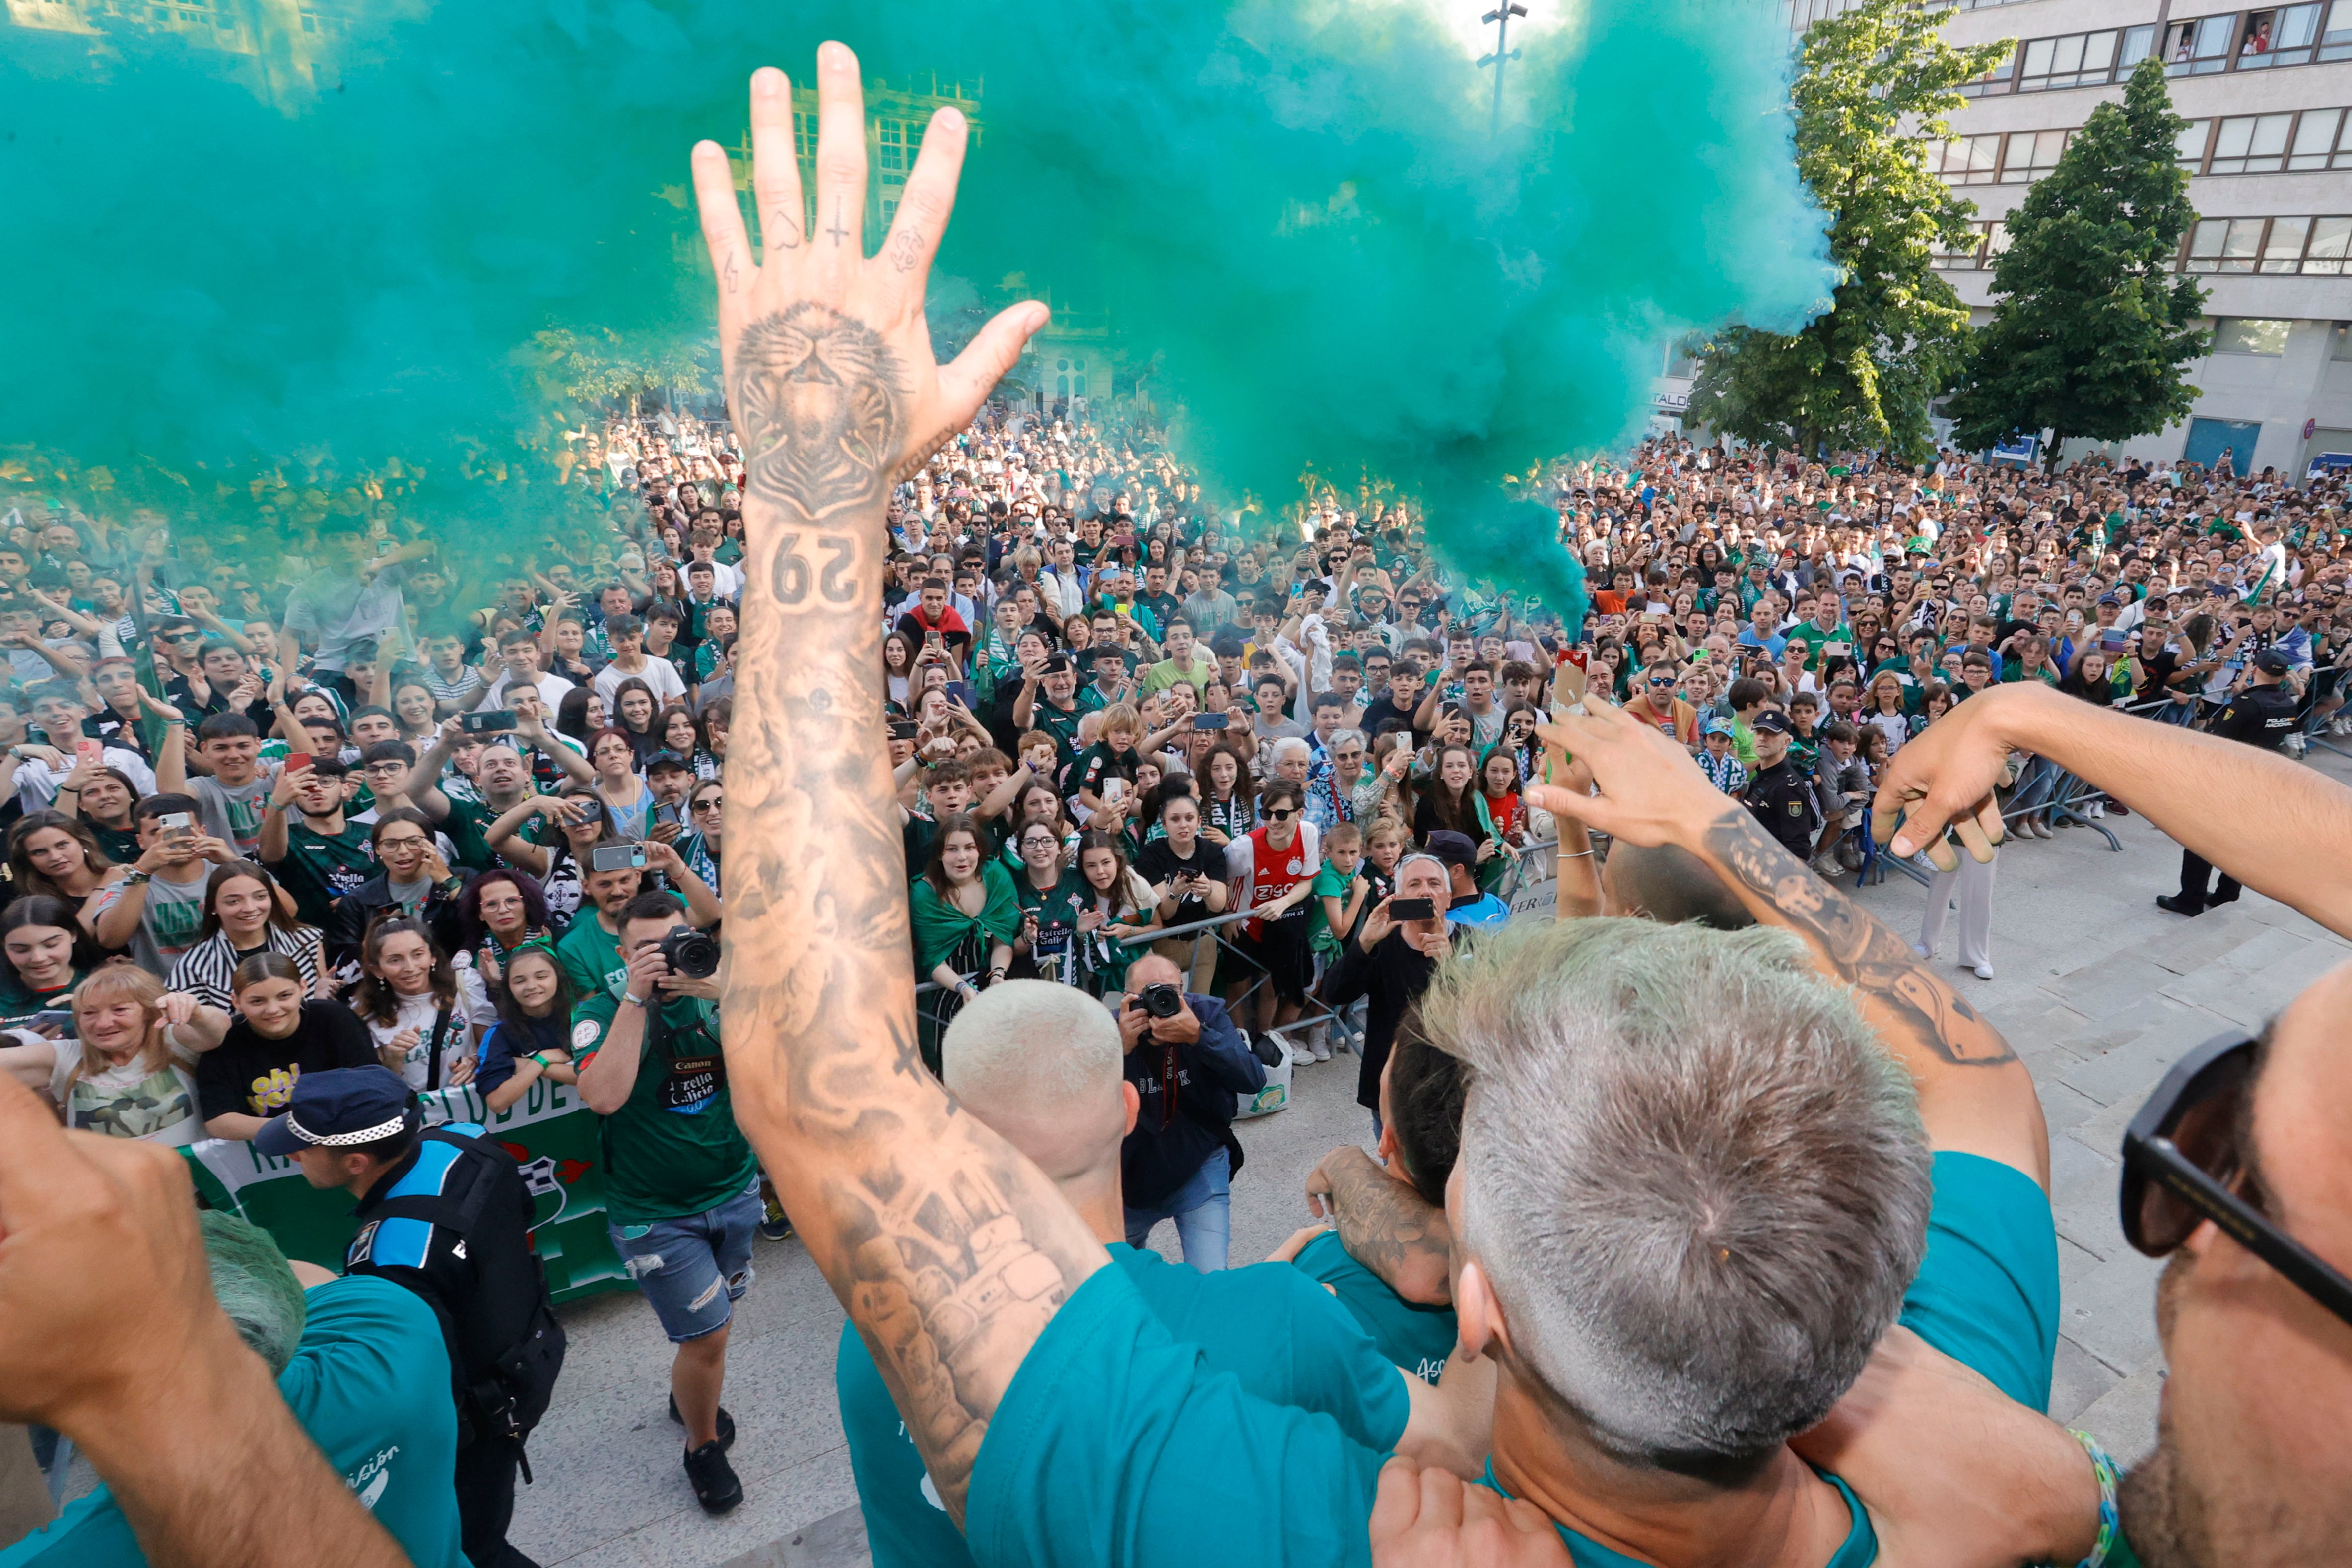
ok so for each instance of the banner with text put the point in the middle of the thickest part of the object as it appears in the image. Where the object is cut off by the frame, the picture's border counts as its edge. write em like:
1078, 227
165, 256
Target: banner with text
550, 1131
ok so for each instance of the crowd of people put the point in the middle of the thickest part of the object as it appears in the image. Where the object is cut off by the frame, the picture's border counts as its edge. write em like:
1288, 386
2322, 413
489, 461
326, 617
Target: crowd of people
1244, 786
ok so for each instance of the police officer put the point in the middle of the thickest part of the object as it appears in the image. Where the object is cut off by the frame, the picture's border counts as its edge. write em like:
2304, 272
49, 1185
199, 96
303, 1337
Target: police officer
2262, 713
442, 1212
1780, 797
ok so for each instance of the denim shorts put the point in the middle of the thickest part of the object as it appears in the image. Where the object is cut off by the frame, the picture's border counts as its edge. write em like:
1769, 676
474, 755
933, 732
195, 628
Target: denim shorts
693, 1268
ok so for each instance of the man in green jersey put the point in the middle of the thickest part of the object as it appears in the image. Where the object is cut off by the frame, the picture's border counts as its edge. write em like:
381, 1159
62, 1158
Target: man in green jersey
317, 854
682, 1196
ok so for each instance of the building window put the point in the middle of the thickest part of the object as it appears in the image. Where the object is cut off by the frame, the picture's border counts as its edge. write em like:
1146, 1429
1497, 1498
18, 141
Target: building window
2083, 60
1682, 358
1971, 159
2284, 37
2224, 245
2330, 240
2252, 144
2189, 145
2030, 155
1966, 256
2199, 47
2317, 142
2260, 336
2335, 38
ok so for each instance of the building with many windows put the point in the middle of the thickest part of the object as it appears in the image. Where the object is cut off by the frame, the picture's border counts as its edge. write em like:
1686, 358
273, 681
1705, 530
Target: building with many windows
2267, 90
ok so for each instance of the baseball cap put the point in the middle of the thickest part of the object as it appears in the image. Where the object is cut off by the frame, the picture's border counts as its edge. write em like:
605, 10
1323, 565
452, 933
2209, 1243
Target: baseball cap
2270, 662
343, 1107
661, 759
1716, 726
1453, 848
1771, 721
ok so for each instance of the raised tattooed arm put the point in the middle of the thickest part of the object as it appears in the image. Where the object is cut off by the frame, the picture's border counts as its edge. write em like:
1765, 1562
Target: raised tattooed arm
950, 1252
1385, 1225
1975, 1095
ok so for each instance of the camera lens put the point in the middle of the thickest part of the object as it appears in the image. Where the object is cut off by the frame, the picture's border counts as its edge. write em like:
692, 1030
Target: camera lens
694, 954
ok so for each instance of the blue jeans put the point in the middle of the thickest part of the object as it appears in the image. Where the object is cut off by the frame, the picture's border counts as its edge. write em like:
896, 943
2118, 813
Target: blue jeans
1202, 1210
693, 1269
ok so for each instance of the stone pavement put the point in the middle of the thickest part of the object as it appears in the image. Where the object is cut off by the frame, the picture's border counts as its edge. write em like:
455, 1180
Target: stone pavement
2098, 990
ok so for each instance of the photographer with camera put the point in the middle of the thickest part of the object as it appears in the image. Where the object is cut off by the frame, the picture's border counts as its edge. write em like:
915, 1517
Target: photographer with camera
1187, 1061
442, 1212
683, 1193
591, 950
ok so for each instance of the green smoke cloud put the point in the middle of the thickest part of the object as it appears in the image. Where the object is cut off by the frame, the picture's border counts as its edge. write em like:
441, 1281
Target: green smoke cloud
1299, 205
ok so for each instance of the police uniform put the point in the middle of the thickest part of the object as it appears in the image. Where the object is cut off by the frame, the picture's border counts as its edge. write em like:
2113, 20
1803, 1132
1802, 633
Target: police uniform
451, 1221
1783, 801
2260, 716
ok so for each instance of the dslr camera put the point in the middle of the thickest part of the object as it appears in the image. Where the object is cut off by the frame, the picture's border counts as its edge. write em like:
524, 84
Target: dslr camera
1161, 1001
691, 953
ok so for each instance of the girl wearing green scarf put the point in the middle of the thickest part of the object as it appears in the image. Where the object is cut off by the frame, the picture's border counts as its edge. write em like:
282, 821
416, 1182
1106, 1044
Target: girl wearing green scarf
965, 915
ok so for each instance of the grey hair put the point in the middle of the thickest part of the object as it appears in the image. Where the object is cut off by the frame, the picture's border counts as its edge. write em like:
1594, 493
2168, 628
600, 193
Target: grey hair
255, 1286
1341, 737
1697, 1182
1030, 1043
1288, 745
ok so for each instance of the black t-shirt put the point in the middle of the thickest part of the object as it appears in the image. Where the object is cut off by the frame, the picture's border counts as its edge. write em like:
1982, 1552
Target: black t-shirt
248, 1075
1378, 713
2159, 671
1159, 861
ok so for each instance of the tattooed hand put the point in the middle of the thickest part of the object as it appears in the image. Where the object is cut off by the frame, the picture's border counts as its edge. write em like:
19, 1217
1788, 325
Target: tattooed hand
1385, 1225
1975, 1096
950, 1252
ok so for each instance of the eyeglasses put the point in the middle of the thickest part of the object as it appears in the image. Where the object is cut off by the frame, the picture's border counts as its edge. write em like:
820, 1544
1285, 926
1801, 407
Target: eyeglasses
711, 803
2184, 1163
1281, 814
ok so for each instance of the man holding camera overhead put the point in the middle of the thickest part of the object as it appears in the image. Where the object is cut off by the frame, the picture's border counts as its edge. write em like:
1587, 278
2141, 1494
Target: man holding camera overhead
682, 1196
1187, 1062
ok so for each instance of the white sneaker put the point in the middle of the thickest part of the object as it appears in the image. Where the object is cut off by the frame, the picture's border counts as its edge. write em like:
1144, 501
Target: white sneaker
1319, 1042
1921, 950
1299, 1055
2296, 745
1984, 971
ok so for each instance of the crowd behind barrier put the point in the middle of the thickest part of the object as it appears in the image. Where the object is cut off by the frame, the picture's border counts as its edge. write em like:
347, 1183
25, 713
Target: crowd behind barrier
346, 807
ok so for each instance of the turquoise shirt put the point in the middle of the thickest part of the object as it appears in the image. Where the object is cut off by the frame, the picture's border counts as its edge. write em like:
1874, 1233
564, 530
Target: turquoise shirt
1284, 1340
1210, 1474
369, 1382
1416, 1338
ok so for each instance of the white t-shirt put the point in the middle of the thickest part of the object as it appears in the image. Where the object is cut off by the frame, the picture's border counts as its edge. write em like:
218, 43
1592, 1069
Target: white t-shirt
158, 1104
472, 1014
36, 784
550, 693
659, 673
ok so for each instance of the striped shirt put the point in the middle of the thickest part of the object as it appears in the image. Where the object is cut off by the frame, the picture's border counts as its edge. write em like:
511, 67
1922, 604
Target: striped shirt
204, 970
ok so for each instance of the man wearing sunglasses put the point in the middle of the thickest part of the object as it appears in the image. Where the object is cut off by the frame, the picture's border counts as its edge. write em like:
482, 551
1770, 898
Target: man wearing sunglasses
2238, 1168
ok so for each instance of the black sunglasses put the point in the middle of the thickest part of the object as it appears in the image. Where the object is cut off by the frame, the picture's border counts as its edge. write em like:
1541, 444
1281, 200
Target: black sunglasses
1280, 814
2184, 1164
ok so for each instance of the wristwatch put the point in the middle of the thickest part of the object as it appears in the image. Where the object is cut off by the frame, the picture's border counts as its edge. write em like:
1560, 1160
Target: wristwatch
138, 878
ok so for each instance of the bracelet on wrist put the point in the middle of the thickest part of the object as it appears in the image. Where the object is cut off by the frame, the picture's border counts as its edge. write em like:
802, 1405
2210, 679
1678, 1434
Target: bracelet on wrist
631, 1000
2110, 1522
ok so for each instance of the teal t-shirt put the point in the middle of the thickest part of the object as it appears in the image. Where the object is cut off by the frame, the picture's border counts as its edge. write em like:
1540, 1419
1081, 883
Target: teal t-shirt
370, 1384
1987, 1292
1206, 1473
1292, 1488
1285, 1342
1414, 1337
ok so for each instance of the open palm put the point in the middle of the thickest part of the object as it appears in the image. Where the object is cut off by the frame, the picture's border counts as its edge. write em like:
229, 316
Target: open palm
830, 377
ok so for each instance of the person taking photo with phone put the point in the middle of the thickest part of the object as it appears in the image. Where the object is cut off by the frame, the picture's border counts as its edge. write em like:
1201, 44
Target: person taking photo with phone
155, 909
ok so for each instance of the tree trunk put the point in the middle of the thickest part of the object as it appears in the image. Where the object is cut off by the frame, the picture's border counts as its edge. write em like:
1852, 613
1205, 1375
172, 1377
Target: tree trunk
2058, 439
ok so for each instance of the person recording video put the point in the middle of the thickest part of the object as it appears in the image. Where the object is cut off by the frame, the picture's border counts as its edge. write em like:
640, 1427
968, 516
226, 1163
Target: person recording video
1187, 1061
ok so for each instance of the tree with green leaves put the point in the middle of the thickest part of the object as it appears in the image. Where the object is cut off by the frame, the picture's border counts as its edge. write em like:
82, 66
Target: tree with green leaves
1874, 91
2091, 328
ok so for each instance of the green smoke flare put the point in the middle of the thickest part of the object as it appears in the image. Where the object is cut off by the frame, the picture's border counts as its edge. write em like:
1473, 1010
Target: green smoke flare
1297, 205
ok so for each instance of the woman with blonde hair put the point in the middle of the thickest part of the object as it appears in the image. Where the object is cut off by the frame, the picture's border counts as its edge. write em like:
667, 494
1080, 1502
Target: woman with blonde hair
126, 1068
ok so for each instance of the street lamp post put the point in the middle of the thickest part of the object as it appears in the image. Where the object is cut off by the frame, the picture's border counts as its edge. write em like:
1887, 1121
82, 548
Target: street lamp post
1500, 17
